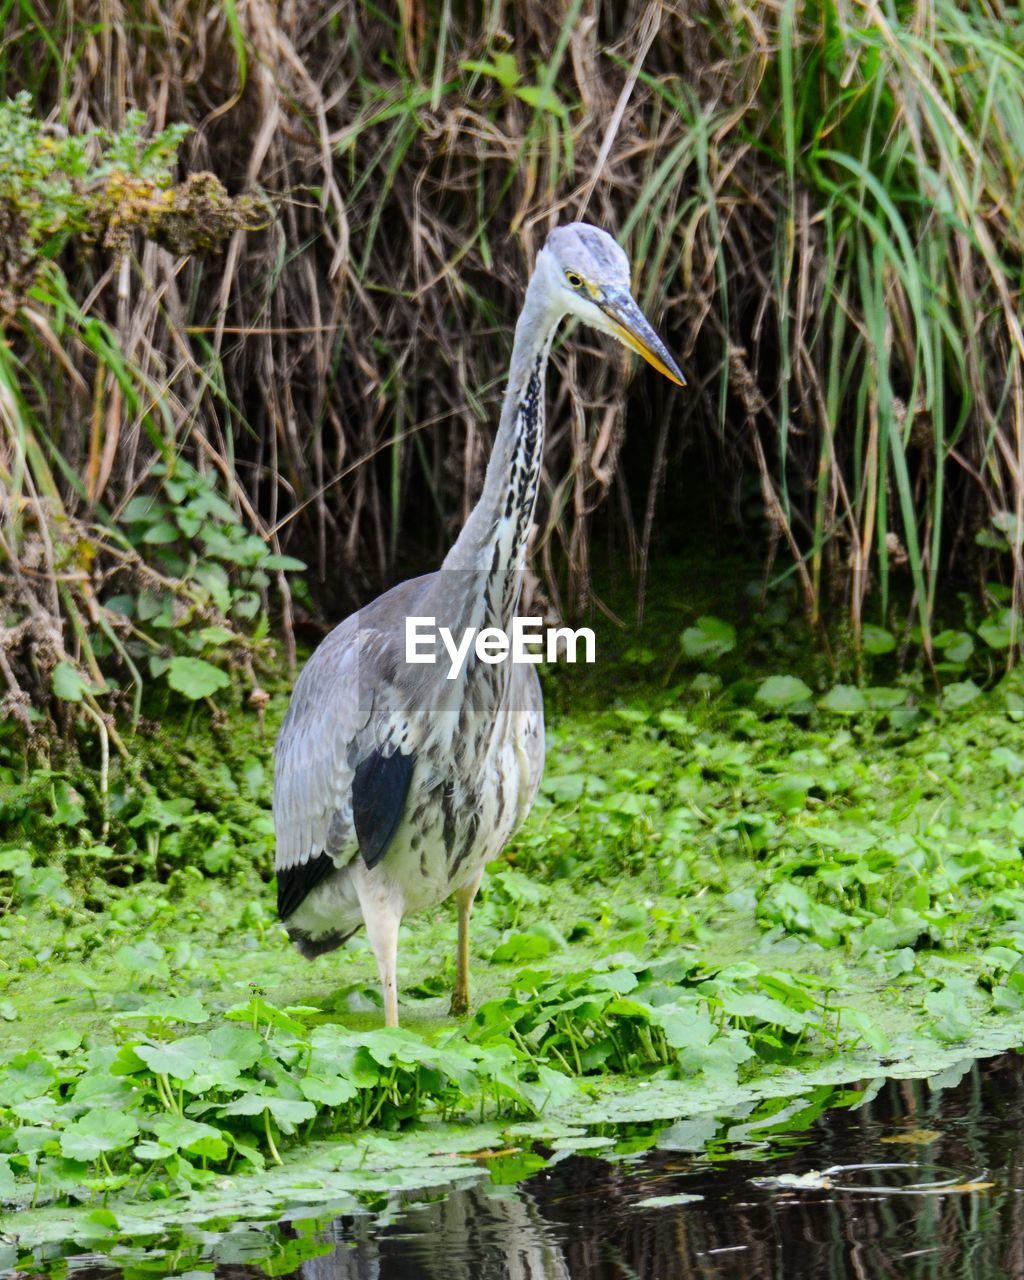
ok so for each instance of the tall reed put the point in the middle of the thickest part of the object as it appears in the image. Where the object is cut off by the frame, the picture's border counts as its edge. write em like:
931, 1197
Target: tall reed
823, 201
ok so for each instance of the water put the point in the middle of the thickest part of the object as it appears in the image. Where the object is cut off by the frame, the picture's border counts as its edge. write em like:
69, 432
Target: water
915, 1179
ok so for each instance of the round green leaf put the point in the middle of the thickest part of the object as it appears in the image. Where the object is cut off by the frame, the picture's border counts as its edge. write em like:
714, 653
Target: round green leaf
955, 646
196, 678
781, 693
329, 1091
1007, 523
709, 638
97, 1132
877, 639
884, 697
180, 1059
161, 533
178, 1133
141, 508
68, 683
959, 694
998, 631
171, 1009
844, 700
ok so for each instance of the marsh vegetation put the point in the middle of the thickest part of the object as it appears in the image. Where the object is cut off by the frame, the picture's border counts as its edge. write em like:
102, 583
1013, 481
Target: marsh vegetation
743, 875
257, 278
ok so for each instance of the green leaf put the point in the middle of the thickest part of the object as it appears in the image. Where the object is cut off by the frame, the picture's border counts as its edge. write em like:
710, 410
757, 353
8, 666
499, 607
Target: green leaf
522, 946
189, 523
709, 638
953, 1019
955, 646
556, 1085
17, 861
541, 98
97, 1132
262, 1011
685, 1026
504, 68
196, 678
986, 538
179, 1059
288, 563
621, 981
178, 1133
27, 1075
564, 788
171, 1009
766, 1009
6, 1181
1000, 631
214, 578
959, 694
68, 805
328, 1091
1007, 523
68, 683
161, 533
884, 697
1008, 759
783, 693
217, 636
239, 1046
876, 639
123, 604
152, 603
141, 508
287, 1112
844, 700
790, 791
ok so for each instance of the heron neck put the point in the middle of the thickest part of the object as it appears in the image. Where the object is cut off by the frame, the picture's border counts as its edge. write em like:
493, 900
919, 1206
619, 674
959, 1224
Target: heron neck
492, 545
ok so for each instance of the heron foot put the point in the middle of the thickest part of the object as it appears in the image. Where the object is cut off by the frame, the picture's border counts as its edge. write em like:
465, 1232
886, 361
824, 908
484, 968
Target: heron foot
459, 1006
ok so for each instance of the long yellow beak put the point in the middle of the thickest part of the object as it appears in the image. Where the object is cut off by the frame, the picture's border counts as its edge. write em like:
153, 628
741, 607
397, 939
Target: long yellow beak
629, 324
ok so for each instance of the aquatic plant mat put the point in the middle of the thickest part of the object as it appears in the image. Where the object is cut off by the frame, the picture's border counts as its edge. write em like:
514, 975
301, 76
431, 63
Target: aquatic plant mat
741, 890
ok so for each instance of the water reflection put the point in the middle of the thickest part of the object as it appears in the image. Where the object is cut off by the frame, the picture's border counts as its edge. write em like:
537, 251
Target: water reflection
473, 1234
584, 1217
795, 1190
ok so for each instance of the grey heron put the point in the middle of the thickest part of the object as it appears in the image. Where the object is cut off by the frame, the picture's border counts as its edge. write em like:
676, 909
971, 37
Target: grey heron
394, 784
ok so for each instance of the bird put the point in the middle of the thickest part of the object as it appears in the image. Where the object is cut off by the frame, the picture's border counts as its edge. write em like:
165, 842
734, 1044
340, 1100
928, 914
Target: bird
394, 782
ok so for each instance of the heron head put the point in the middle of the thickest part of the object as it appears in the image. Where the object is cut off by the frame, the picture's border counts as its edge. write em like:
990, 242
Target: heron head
588, 273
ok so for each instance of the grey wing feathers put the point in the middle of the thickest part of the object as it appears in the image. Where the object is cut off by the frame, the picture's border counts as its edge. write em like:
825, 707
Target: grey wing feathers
344, 708
316, 754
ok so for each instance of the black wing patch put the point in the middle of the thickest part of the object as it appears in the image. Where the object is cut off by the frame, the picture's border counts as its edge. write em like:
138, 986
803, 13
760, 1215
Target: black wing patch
294, 883
379, 789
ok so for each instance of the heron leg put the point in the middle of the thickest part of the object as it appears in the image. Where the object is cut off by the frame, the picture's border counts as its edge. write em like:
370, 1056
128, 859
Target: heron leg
460, 996
382, 916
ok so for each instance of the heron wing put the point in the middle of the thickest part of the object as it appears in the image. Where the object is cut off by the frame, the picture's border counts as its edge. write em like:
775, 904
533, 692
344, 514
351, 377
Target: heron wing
380, 785
314, 761
342, 766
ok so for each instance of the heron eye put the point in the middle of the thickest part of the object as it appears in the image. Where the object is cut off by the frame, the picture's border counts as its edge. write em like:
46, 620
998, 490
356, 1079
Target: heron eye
575, 280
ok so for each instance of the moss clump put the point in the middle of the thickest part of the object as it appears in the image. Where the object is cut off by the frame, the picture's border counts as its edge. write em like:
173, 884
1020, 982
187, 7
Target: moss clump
102, 188
197, 214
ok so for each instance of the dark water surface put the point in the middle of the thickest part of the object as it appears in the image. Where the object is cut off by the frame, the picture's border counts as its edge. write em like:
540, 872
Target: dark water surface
916, 1179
